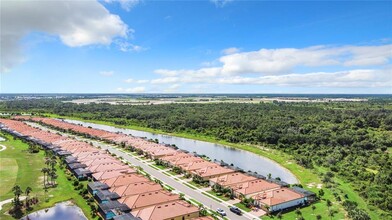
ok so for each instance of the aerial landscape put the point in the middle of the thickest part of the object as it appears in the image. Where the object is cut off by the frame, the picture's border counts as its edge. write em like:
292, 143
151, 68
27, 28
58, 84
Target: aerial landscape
195, 110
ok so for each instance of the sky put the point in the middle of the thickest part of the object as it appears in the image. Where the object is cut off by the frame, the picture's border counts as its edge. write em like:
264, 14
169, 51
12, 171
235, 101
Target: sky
217, 46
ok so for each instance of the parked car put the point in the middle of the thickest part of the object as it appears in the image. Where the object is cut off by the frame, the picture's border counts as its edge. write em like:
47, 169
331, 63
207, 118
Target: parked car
221, 211
235, 210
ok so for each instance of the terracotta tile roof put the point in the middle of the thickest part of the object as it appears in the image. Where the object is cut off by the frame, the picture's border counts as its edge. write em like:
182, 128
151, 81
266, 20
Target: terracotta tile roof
117, 165
254, 186
196, 165
143, 200
166, 211
212, 171
184, 160
277, 196
125, 179
232, 178
136, 188
111, 174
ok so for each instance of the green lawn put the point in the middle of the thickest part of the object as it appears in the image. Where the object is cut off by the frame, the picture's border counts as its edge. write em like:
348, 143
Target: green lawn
20, 167
161, 167
243, 207
28, 173
224, 198
8, 174
196, 185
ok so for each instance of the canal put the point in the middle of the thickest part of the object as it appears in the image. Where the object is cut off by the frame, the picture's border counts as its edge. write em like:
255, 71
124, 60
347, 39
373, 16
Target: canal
239, 158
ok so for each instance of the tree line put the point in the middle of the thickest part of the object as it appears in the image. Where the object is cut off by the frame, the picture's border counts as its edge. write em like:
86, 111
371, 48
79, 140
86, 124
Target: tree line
352, 140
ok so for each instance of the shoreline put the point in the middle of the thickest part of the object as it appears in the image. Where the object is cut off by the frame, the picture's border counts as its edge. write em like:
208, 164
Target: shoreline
240, 146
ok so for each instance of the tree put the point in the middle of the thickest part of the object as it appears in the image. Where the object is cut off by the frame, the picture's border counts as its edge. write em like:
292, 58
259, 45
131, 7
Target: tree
279, 215
313, 208
27, 192
45, 171
329, 204
17, 191
318, 217
331, 213
321, 193
298, 212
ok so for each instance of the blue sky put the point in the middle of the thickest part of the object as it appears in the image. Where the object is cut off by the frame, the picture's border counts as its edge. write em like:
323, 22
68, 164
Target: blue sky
196, 47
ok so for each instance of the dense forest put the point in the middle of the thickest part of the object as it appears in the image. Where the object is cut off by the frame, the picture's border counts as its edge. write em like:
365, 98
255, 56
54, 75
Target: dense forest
350, 140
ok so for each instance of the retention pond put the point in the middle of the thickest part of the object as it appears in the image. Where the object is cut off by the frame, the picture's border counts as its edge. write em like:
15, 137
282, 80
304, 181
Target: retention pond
64, 210
239, 158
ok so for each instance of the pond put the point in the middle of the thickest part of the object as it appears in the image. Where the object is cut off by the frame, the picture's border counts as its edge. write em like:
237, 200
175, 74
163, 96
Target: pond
64, 210
240, 158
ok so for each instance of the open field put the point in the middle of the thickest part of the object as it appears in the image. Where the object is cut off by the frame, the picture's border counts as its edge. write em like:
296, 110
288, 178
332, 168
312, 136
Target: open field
8, 174
28, 173
308, 178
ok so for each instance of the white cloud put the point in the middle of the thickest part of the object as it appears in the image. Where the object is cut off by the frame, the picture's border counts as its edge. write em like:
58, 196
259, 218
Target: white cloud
142, 81
165, 80
230, 50
132, 90
106, 73
277, 67
351, 78
281, 61
127, 5
172, 88
76, 23
220, 3
125, 46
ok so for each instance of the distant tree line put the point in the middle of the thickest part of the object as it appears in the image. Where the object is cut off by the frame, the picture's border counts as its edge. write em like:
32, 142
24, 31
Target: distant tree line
352, 140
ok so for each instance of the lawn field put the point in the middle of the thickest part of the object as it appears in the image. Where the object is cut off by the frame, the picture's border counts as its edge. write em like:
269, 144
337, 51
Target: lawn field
8, 174
22, 168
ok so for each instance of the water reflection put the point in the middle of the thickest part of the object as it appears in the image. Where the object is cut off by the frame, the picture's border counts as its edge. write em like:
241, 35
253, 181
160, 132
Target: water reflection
64, 210
240, 158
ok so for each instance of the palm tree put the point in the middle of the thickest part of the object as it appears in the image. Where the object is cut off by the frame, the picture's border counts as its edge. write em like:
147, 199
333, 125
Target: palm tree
53, 176
279, 215
27, 192
158, 181
17, 191
298, 212
331, 213
202, 210
44, 171
53, 162
329, 204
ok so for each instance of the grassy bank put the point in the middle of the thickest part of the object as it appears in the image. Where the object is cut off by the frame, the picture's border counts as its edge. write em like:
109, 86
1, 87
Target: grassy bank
308, 178
28, 173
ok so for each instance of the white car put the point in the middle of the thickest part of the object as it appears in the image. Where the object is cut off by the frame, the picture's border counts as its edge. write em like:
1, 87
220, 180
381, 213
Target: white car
221, 212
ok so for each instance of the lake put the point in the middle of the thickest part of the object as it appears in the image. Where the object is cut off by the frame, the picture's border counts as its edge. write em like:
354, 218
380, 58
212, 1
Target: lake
240, 158
64, 210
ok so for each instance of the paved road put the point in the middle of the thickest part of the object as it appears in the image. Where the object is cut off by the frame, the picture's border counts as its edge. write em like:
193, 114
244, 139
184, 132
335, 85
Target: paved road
10, 200
179, 186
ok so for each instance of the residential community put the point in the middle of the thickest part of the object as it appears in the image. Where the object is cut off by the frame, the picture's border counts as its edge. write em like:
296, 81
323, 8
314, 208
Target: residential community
124, 191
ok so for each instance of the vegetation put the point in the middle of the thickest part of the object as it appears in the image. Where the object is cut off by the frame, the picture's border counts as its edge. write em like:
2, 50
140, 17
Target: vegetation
344, 144
26, 179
